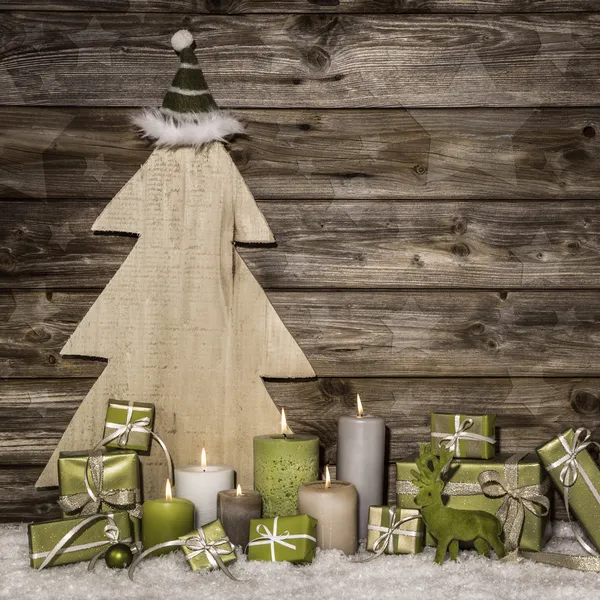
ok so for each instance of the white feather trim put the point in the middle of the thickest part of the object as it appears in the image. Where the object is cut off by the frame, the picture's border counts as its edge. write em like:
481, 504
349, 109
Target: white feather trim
190, 130
181, 39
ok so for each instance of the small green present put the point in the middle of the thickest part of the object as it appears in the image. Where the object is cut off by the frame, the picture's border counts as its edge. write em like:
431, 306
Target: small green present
468, 436
206, 546
89, 536
511, 486
131, 423
395, 530
114, 480
576, 475
291, 539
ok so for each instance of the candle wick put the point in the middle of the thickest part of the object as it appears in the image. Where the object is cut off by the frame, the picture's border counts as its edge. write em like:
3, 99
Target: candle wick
285, 436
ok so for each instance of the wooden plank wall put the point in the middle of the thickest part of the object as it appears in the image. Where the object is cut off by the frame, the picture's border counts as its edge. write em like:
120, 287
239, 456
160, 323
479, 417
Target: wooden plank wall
430, 168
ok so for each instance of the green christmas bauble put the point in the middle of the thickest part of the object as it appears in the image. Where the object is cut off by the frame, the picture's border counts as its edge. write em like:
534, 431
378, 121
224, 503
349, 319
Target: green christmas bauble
118, 556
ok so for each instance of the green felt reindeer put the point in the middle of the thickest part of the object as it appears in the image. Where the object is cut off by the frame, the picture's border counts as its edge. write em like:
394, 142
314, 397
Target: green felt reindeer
449, 525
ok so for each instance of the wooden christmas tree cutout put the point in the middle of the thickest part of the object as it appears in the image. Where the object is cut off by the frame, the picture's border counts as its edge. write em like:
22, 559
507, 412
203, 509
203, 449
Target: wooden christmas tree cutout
183, 323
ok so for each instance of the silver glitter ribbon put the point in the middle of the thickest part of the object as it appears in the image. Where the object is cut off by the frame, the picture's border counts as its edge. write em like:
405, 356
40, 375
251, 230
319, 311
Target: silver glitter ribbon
198, 544
90, 502
111, 532
272, 538
451, 441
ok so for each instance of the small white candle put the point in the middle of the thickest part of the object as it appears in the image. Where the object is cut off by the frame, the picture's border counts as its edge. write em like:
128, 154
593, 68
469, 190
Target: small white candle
201, 485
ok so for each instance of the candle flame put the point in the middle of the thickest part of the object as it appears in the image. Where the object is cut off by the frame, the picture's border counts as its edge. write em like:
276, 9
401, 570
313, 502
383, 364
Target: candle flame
327, 477
238, 491
203, 458
284, 427
168, 491
359, 406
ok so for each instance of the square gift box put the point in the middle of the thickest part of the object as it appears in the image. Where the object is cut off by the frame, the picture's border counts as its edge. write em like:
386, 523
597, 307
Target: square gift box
385, 531
212, 532
521, 472
119, 414
468, 436
84, 545
291, 539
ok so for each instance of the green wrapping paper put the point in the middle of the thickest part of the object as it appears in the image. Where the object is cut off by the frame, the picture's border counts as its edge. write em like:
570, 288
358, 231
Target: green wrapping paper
468, 436
213, 534
568, 462
386, 534
43, 537
463, 491
119, 484
138, 415
291, 539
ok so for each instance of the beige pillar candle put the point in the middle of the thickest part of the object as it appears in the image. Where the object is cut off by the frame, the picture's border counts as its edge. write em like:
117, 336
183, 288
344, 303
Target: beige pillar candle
335, 505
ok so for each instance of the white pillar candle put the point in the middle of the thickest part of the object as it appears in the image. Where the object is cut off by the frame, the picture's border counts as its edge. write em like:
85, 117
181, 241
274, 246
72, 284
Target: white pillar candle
201, 485
361, 460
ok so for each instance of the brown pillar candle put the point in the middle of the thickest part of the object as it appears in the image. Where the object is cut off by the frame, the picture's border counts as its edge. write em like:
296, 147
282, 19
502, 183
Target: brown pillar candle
235, 508
335, 505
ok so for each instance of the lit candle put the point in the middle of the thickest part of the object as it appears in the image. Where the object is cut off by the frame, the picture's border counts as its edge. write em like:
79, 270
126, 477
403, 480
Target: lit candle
235, 508
334, 505
201, 484
282, 463
361, 460
166, 520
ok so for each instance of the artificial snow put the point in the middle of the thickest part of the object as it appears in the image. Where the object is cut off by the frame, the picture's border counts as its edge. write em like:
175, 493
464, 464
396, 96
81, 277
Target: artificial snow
332, 575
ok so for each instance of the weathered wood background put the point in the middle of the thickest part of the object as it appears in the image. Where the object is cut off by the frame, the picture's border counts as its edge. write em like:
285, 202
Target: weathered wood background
430, 168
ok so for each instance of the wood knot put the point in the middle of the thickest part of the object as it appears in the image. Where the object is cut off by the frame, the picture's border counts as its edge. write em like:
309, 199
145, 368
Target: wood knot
51, 359
477, 328
459, 227
492, 345
420, 169
461, 250
38, 335
574, 246
503, 295
240, 156
7, 261
304, 126
585, 403
588, 131
332, 387
318, 58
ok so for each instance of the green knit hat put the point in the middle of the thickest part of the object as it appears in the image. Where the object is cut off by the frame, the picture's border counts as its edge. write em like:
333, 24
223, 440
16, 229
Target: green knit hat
189, 115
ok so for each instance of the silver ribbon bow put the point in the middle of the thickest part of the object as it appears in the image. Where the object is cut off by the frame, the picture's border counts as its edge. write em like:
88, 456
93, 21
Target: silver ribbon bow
198, 544
90, 502
111, 532
515, 499
272, 538
385, 540
451, 441
569, 474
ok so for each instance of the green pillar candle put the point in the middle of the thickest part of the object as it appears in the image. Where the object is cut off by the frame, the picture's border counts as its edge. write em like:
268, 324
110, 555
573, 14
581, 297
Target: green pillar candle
165, 520
282, 463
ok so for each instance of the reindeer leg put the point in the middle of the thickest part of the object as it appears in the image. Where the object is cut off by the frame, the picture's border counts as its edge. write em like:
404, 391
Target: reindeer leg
453, 548
498, 546
482, 546
440, 553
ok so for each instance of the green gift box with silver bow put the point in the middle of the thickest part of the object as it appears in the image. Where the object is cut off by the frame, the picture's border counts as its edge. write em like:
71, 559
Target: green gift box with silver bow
113, 483
206, 546
577, 476
291, 539
514, 487
135, 421
468, 436
76, 539
394, 530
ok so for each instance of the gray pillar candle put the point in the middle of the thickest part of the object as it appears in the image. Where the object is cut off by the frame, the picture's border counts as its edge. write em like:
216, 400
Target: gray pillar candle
361, 460
235, 508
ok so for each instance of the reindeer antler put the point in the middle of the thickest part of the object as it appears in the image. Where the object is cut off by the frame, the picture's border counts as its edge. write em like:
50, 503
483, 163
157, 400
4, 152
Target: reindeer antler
426, 475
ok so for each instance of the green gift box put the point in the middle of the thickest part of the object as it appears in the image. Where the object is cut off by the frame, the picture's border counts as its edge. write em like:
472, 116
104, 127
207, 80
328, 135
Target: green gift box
387, 533
468, 436
114, 479
291, 539
86, 542
572, 469
204, 543
515, 489
138, 416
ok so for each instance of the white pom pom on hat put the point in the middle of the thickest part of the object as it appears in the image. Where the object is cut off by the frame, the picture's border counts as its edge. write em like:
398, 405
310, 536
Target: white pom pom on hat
182, 39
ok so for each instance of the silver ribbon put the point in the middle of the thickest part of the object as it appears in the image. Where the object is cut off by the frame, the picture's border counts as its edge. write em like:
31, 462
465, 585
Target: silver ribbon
88, 502
141, 425
272, 538
198, 544
451, 441
386, 539
571, 469
515, 499
111, 531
